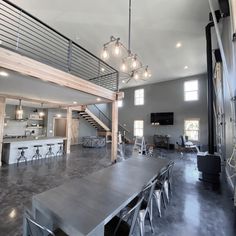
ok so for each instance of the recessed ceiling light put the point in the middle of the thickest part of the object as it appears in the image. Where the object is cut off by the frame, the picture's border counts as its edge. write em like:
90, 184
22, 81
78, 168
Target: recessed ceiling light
98, 99
178, 45
3, 73
74, 102
102, 69
123, 81
186, 67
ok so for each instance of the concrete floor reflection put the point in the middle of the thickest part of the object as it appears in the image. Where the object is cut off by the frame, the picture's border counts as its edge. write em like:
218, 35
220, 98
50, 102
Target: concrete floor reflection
196, 208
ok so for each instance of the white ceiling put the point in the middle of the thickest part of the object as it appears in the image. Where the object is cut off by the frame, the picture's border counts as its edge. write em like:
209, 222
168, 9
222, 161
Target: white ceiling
17, 85
157, 26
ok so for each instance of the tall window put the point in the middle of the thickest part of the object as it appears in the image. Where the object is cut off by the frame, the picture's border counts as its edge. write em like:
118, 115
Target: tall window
138, 128
120, 103
191, 129
139, 97
191, 90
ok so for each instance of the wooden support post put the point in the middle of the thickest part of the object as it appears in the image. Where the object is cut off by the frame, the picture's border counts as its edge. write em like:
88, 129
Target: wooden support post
114, 131
68, 129
2, 114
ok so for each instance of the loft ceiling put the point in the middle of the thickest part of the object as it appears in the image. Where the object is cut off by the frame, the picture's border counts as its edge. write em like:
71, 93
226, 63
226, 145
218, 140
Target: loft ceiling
16, 85
157, 26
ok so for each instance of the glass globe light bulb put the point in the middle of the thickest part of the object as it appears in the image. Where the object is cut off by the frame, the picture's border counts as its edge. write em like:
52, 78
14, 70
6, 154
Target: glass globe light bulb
145, 74
117, 50
105, 54
134, 63
123, 67
136, 76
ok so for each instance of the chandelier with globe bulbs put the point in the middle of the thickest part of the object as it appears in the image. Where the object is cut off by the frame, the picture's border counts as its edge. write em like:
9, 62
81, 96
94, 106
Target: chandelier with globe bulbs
129, 62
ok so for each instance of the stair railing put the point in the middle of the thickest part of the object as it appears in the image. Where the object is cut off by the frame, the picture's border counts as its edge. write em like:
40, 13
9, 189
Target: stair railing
107, 120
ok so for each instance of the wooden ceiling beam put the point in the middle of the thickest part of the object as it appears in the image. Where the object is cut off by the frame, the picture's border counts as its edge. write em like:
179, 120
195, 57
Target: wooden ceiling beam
27, 66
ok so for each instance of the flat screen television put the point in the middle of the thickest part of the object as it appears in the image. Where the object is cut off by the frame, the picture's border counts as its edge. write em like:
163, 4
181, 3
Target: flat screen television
162, 118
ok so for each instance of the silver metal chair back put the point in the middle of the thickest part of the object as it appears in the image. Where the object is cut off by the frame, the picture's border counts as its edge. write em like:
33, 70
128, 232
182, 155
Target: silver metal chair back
131, 215
170, 170
33, 228
162, 176
148, 192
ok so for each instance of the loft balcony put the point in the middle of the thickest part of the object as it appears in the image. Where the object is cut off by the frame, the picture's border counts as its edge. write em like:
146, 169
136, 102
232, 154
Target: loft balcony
24, 34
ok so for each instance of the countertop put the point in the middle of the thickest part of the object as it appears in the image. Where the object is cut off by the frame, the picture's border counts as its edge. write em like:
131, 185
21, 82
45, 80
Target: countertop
27, 139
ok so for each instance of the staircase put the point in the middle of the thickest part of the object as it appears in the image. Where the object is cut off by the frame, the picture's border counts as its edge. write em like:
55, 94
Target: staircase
101, 123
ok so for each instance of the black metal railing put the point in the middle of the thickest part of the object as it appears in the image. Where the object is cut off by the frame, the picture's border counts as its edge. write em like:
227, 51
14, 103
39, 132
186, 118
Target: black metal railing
100, 115
106, 119
29, 36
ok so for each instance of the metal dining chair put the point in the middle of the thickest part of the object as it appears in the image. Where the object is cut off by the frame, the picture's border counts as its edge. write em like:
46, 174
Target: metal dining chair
159, 191
146, 207
119, 226
168, 182
33, 228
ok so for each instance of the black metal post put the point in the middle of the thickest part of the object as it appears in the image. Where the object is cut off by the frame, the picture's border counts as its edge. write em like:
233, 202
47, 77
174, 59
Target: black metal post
129, 38
69, 55
210, 89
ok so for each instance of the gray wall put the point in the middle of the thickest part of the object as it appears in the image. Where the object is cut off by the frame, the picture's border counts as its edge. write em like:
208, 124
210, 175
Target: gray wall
85, 129
166, 97
230, 51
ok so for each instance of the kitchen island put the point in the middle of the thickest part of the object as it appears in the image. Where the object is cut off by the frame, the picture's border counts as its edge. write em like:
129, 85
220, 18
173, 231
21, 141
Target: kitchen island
11, 152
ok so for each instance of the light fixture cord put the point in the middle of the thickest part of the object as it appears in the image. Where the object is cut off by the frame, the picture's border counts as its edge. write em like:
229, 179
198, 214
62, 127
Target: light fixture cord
129, 38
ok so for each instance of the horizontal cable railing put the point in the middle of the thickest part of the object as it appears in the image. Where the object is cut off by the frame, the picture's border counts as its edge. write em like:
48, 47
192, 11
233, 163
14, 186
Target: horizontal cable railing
27, 35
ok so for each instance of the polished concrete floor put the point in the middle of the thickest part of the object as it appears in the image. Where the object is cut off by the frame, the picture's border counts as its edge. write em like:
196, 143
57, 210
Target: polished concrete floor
196, 208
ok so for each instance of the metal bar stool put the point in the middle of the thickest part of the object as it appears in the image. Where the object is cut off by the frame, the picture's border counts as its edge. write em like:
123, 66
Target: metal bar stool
37, 154
50, 152
61, 151
22, 155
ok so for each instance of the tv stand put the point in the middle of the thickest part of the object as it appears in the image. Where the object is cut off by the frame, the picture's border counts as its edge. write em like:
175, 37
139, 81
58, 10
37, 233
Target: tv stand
161, 141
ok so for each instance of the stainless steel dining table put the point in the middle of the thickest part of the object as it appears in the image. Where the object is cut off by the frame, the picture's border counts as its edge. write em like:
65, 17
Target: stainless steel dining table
83, 206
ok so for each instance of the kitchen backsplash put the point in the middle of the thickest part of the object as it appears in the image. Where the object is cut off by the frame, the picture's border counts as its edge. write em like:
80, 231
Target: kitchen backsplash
15, 128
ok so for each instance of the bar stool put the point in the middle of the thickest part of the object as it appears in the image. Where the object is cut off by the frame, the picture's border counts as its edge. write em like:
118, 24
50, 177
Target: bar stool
50, 152
37, 154
61, 151
22, 155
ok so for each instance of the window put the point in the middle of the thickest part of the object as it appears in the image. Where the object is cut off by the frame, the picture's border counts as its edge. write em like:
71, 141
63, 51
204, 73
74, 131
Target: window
191, 90
120, 103
139, 97
191, 129
138, 128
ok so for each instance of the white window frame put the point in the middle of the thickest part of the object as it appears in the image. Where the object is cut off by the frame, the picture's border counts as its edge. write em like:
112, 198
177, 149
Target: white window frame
198, 130
139, 97
138, 128
187, 91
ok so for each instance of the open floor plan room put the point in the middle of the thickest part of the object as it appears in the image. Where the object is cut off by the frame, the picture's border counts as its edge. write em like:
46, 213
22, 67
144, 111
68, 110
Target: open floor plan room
117, 118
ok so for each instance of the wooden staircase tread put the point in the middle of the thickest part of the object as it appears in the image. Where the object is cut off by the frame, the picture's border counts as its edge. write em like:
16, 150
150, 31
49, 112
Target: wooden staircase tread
94, 120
